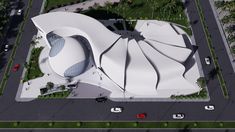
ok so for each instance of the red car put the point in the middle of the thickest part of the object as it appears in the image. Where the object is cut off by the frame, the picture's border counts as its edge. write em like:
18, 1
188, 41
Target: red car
141, 116
16, 67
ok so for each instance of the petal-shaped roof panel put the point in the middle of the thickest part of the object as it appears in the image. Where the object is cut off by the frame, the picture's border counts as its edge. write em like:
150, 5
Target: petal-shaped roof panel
162, 32
114, 60
141, 77
170, 73
177, 53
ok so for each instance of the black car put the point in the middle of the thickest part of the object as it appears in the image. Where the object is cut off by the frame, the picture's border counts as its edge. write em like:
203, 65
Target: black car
72, 85
101, 99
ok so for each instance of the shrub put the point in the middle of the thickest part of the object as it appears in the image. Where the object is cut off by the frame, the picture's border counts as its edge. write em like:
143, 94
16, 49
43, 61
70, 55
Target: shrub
50, 124
62, 87
201, 81
15, 124
50, 85
78, 124
135, 124
107, 124
221, 124
195, 124
165, 124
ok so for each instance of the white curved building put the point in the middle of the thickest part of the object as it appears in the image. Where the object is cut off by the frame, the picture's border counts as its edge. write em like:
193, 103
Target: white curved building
154, 66
67, 57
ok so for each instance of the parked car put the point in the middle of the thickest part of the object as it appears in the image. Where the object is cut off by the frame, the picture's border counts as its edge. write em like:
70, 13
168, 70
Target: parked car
209, 107
101, 99
16, 67
208, 60
116, 109
19, 12
178, 116
141, 116
72, 85
6, 47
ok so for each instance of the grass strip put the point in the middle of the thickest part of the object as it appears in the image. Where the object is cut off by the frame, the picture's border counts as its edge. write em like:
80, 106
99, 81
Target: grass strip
125, 124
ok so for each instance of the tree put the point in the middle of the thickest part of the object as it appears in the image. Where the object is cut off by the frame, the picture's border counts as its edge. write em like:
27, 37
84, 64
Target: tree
50, 85
171, 6
201, 81
108, 5
219, 4
230, 29
231, 38
62, 87
26, 65
229, 18
228, 5
129, 2
4, 5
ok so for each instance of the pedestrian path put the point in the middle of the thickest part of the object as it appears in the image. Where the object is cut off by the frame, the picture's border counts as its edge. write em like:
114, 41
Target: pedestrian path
85, 5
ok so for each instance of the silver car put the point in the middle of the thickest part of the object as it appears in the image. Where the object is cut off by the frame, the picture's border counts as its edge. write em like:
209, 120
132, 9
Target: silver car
208, 60
178, 116
209, 107
116, 109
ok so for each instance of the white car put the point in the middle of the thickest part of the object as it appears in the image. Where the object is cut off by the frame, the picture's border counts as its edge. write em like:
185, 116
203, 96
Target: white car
116, 109
209, 107
19, 12
6, 48
178, 116
208, 60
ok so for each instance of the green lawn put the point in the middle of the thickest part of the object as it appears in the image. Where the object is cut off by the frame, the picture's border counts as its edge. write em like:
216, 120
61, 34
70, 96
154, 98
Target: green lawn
33, 70
74, 124
140, 9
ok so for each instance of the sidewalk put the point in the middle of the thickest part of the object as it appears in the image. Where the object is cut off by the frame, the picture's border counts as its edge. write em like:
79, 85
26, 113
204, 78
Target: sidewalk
84, 5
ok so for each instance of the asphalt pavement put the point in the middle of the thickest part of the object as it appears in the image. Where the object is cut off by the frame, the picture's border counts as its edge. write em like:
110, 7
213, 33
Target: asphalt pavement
89, 109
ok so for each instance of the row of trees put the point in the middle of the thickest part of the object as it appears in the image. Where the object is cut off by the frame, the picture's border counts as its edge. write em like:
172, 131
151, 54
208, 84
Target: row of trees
229, 20
4, 4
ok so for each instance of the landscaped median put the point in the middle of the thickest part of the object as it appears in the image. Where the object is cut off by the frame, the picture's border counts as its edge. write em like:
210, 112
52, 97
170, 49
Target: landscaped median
128, 124
214, 57
12, 56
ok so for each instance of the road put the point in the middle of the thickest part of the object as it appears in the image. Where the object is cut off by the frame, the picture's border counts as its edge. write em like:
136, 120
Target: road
219, 47
88, 109
10, 38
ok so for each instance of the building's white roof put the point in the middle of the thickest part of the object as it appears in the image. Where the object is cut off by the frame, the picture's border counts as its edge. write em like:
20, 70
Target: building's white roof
71, 53
82, 25
170, 72
138, 67
141, 76
162, 32
114, 60
177, 53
